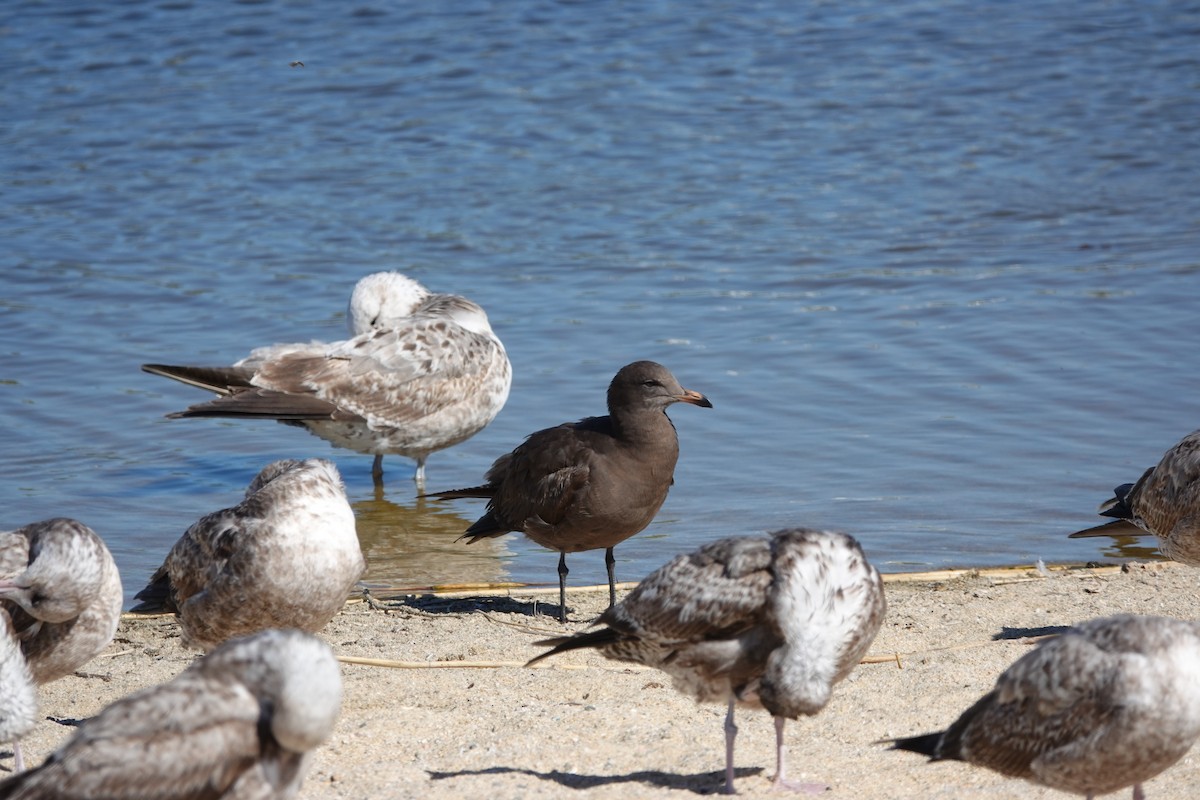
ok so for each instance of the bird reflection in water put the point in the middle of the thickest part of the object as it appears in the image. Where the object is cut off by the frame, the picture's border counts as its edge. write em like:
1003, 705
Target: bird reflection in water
413, 546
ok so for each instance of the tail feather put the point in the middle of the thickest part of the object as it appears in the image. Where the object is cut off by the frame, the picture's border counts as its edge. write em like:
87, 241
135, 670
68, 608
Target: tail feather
1118, 527
561, 644
1124, 520
158, 597
486, 491
927, 744
238, 397
221, 380
266, 404
487, 526
1117, 506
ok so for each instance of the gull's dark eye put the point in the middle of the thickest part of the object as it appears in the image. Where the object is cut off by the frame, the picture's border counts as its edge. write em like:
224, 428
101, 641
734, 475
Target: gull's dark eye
651, 382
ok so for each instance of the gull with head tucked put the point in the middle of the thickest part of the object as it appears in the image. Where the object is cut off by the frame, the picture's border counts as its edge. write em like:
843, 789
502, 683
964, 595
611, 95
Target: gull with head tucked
287, 556
1107, 705
239, 723
1165, 502
61, 597
765, 622
420, 373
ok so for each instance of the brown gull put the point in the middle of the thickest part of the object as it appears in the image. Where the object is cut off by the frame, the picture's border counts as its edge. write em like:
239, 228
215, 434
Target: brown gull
589, 484
61, 592
420, 373
285, 557
241, 722
765, 622
1165, 502
1109, 704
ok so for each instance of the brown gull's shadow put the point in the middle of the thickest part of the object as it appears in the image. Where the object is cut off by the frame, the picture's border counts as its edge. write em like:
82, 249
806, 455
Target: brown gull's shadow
701, 783
433, 604
1028, 633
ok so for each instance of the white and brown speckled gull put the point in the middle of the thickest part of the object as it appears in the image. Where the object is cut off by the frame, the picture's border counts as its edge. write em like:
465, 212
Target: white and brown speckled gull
420, 373
239, 724
765, 622
1107, 705
61, 589
18, 692
1165, 502
285, 557
590, 484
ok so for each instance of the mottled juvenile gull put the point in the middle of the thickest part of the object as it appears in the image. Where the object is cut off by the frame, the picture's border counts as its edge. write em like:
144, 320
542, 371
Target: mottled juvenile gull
241, 722
765, 622
1109, 704
61, 590
285, 557
593, 483
18, 692
1165, 502
421, 372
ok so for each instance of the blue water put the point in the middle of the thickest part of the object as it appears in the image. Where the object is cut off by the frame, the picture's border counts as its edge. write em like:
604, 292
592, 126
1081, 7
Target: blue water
935, 264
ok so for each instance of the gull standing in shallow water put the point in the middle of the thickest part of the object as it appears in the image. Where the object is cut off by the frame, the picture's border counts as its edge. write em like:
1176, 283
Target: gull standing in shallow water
422, 372
766, 622
590, 484
1107, 705
1165, 502
285, 557
241, 722
61, 594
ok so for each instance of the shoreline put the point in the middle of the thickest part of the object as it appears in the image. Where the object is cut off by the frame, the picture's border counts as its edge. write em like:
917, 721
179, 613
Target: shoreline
442, 709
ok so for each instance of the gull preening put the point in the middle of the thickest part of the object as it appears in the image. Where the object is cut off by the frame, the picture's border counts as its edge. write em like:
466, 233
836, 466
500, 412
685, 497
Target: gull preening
241, 722
1165, 502
765, 622
285, 557
1107, 705
420, 373
61, 596
590, 484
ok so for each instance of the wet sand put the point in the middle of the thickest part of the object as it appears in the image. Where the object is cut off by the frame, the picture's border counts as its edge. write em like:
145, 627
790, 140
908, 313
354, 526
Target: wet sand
587, 727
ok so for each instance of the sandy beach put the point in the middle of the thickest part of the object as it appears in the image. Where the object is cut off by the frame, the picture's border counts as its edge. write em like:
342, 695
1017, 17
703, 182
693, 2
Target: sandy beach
587, 727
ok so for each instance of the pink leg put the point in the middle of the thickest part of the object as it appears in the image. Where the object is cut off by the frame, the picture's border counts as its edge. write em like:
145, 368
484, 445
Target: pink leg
781, 781
730, 735
1138, 792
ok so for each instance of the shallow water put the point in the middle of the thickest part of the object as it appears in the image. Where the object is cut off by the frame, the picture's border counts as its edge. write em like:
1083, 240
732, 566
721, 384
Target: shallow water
934, 264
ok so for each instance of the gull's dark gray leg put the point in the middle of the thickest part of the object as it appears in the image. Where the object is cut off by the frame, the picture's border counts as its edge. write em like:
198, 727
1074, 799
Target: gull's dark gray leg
610, 561
562, 587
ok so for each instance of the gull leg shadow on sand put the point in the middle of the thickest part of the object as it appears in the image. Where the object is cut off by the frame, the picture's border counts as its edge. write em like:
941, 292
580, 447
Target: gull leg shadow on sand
70, 722
702, 783
432, 604
1029, 633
